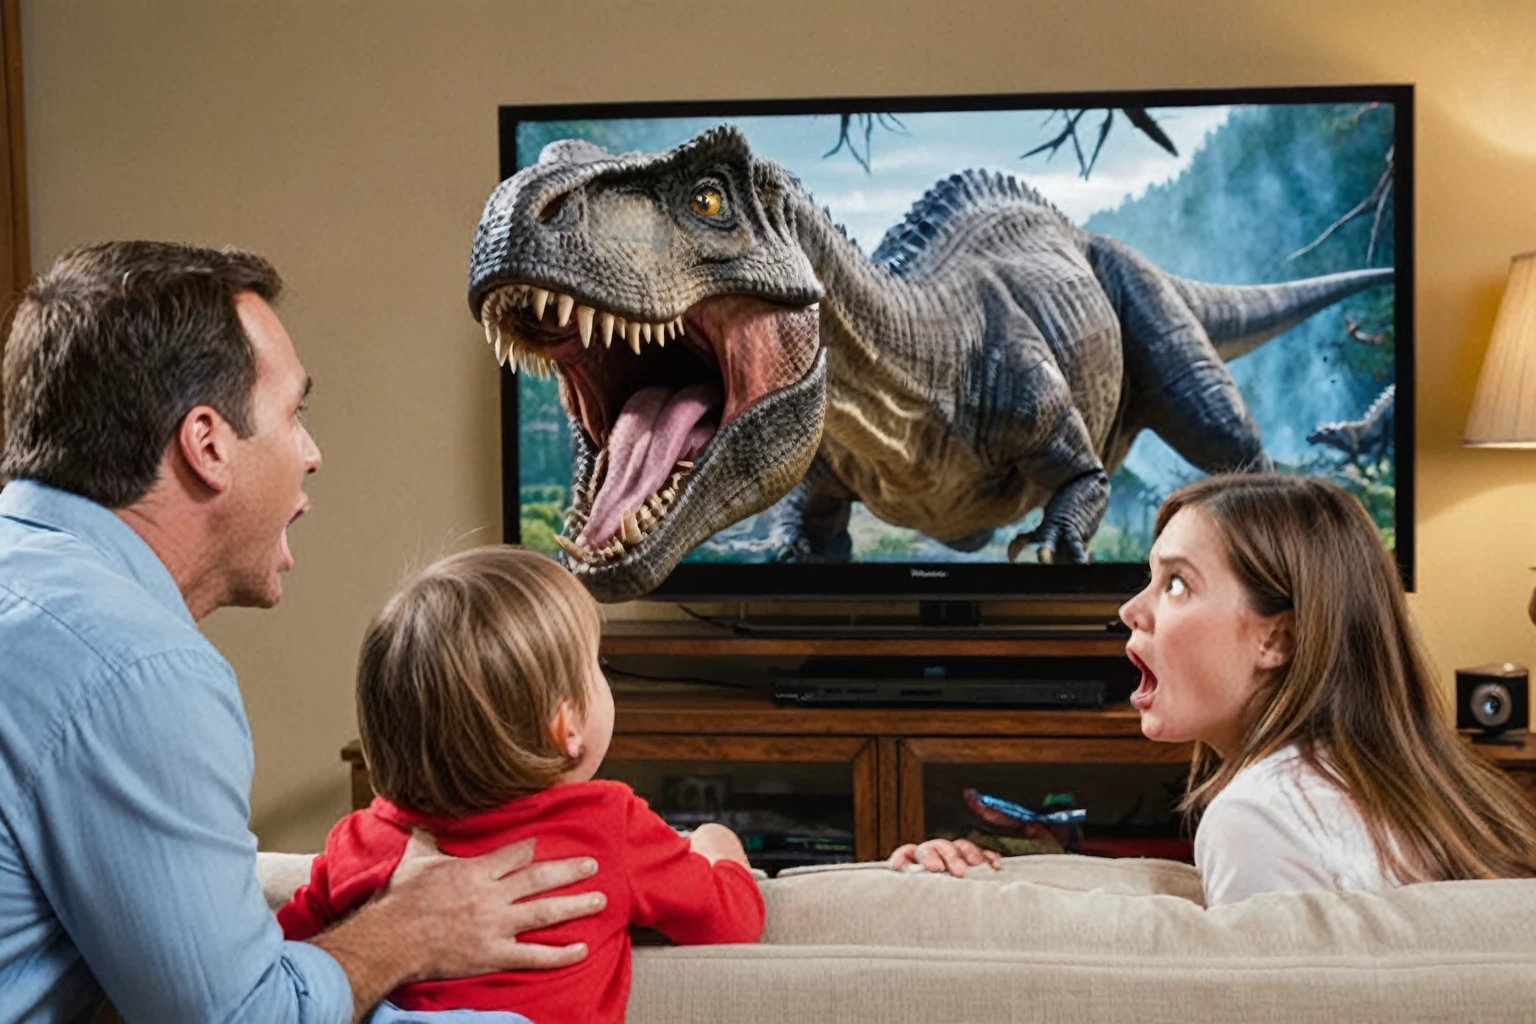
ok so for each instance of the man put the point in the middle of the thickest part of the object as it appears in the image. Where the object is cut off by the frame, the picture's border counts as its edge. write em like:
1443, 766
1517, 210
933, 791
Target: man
156, 453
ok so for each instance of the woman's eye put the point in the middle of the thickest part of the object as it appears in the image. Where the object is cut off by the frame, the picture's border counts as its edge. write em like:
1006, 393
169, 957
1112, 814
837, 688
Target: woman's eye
1176, 586
707, 202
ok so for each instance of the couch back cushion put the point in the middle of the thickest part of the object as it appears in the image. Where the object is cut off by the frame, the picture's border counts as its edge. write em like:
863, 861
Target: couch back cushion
1065, 906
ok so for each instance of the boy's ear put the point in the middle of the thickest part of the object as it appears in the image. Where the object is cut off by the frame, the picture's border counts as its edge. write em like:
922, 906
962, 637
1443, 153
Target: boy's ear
563, 730
1279, 642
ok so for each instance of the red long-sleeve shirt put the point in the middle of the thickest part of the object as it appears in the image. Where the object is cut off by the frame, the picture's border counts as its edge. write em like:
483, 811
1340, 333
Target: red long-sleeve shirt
648, 872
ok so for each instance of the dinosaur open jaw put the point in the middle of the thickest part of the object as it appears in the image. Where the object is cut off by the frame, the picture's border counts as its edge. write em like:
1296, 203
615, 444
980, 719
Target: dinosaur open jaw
649, 408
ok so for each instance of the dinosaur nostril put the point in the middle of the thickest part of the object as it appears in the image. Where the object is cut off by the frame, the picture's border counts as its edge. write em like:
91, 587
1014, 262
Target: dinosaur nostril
552, 208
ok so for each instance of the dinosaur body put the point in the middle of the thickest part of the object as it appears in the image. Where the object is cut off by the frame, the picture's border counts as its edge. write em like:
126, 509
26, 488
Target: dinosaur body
989, 359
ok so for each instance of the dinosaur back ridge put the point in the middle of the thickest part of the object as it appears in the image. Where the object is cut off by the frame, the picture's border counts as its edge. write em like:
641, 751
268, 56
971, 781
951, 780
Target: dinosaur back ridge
931, 215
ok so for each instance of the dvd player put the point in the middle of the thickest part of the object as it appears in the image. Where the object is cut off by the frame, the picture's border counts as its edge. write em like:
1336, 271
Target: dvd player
1002, 693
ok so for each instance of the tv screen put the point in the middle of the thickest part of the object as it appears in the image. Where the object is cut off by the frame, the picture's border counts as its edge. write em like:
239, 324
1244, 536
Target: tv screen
939, 347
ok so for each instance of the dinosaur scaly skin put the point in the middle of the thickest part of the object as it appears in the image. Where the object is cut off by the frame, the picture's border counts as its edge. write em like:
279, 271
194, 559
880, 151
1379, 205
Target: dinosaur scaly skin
989, 359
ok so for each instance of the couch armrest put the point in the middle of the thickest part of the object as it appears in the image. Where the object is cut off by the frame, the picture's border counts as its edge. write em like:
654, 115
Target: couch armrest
281, 874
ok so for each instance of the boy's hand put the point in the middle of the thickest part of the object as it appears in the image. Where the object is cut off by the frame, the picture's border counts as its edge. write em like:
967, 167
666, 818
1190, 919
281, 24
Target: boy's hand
716, 842
943, 855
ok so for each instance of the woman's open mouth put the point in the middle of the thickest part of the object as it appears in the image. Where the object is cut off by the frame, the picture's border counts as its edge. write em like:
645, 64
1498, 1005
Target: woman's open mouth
1142, 698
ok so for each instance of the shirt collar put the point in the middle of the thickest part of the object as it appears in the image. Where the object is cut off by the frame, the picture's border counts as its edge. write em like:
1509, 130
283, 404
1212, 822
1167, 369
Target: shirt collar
99, 528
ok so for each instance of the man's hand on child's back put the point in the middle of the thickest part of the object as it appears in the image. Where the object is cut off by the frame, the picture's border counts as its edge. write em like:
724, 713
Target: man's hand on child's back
466, 912
716, 842
449, 917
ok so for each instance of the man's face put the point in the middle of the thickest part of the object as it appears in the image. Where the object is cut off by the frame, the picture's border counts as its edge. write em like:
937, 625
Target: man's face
269, 466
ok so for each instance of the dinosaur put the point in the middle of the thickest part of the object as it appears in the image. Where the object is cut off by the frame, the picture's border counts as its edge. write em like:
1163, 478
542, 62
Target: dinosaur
1369, 435
719, 343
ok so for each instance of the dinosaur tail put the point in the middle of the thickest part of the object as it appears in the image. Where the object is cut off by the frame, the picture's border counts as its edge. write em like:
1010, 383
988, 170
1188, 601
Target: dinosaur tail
1239, 318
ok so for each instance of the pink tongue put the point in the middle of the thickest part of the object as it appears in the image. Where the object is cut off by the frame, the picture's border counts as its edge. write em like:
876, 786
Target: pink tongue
657, 427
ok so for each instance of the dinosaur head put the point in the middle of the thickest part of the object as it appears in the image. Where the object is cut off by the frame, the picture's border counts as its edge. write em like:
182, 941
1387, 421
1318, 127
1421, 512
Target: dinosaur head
668, 295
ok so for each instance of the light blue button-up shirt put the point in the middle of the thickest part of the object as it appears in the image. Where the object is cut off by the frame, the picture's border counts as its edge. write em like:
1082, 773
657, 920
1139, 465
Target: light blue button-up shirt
126, 861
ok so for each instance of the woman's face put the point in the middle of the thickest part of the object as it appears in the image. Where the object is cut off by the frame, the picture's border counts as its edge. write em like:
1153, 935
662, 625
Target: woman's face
1202, 650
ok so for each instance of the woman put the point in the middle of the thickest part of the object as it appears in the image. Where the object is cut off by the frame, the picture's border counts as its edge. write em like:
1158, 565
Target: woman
1275, 635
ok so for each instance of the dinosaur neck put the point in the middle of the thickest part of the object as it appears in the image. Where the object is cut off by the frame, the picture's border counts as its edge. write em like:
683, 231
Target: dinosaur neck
866, 310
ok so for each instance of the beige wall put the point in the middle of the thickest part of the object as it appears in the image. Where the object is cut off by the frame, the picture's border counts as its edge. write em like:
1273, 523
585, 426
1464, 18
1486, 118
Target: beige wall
354, 143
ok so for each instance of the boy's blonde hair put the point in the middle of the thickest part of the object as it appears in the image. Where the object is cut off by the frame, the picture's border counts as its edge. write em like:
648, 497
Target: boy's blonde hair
462, 671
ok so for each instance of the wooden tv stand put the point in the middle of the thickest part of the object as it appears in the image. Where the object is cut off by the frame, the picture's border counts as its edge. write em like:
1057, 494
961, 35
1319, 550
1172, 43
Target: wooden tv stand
888, 751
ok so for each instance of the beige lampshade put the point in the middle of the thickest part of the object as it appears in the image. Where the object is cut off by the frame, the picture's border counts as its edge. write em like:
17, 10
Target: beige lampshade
1504, 410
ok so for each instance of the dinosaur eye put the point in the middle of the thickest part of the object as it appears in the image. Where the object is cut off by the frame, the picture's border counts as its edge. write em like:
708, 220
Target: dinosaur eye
706, 202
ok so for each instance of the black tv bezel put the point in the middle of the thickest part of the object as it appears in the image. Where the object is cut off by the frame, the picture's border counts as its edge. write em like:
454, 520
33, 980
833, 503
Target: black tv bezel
886, 581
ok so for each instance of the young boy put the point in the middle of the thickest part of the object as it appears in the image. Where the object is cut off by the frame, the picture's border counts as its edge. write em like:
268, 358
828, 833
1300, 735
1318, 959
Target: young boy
484, 715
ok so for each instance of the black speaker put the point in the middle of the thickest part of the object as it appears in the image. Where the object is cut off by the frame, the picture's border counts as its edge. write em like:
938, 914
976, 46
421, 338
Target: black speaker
1493, 699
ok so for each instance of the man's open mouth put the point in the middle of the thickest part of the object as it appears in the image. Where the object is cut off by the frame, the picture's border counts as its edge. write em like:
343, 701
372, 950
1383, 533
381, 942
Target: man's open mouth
650, 394
1142, 697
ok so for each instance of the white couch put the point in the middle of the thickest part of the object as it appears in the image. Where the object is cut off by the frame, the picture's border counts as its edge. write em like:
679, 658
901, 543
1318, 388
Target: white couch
1070, 938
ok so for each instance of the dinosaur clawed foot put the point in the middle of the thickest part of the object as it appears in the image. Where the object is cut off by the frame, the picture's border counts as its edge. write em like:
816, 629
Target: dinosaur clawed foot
1054, 543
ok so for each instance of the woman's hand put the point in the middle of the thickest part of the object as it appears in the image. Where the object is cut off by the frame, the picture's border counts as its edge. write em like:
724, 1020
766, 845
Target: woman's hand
943, 855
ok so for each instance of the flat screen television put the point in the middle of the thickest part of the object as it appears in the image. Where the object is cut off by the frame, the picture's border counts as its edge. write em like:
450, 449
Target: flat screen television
939, 347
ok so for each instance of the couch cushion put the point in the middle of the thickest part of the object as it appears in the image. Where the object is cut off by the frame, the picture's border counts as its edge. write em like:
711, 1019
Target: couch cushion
894, 984
881, 907
1128, 876
874, 945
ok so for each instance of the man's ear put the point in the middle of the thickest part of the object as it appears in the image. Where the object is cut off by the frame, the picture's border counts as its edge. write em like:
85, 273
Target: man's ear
204, 441
1279, 642
564, 730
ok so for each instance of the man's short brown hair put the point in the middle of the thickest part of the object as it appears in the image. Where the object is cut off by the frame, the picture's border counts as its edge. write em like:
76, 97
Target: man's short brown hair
461, 673
111, 348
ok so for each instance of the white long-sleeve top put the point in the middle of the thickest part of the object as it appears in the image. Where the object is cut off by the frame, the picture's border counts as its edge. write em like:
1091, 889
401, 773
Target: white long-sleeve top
1280, 826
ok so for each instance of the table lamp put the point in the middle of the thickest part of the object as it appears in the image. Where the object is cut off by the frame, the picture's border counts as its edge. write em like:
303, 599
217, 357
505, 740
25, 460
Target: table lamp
1504, 409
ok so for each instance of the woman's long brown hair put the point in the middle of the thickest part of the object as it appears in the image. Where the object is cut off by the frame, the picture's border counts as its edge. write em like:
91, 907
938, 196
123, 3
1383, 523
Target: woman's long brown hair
1358, 696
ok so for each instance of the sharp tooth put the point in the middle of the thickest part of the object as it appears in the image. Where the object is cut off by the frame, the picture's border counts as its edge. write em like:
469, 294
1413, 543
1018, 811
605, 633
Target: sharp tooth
631, 528
584, 324
571, 548
563, 306
620, 325
490, 331
668, 495
645, 517
496, 345
632, 333
684, 464
680, 330
659, 332
645, 332
655, 505
605, 327
540, 300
